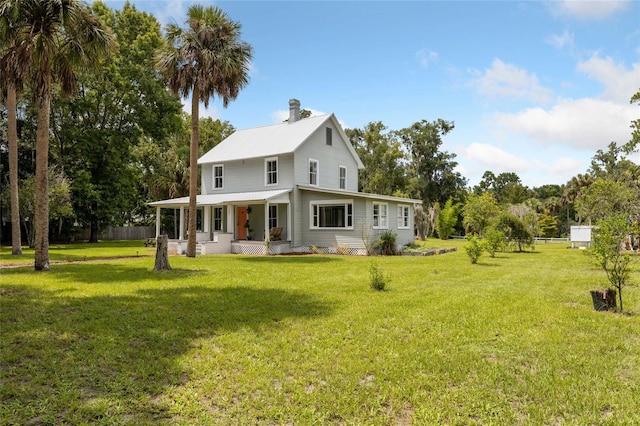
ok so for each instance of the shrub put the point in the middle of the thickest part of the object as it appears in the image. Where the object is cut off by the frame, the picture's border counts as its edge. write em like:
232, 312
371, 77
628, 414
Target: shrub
387, 243
447, 219
493, 241
378, 280
474, 248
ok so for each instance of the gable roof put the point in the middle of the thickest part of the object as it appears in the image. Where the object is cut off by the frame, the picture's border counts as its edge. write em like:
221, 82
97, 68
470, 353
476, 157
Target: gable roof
275, 139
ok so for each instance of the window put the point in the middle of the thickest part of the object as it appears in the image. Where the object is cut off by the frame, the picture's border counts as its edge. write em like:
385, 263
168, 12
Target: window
343, 177
332, 214
273, 216
329, 136
313, 172
403, 217
271, 171
217, 218
380, 216
199, 215
218, 176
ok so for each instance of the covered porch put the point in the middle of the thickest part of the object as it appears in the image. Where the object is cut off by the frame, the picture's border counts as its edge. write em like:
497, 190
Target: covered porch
247, 223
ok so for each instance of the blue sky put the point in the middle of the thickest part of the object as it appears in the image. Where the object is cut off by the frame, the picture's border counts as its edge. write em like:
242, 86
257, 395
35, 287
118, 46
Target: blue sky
534, 87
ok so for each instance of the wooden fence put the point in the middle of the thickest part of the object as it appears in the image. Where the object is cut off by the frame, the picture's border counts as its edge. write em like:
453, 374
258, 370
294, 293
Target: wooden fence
123, 233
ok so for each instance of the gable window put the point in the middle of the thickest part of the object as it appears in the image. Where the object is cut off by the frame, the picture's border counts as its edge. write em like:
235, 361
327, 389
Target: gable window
313, 172
329, 136
217, 218
273, 216
343, 177
380, 216
331, 214
218, 176
271, 171
403, 217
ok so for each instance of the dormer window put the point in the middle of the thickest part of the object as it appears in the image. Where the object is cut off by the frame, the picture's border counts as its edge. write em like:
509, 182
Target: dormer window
271, 171
329, 132
218, 176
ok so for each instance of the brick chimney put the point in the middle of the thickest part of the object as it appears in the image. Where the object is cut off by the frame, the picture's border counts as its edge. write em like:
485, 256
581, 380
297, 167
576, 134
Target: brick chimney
294, 110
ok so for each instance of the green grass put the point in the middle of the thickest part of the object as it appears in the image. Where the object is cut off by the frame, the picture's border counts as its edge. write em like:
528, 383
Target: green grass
304, 340
60, 253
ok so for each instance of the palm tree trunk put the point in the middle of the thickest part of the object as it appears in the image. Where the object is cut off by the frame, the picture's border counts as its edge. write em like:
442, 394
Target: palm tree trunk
193, 173
12, 130
42, 184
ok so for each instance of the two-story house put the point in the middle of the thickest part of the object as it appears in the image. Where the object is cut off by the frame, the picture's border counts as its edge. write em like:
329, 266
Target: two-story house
288, 187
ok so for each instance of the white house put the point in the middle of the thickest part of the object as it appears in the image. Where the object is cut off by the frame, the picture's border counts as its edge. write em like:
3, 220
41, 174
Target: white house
288, 187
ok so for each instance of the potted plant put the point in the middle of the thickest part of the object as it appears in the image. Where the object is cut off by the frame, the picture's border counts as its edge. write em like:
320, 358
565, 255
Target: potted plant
249, 230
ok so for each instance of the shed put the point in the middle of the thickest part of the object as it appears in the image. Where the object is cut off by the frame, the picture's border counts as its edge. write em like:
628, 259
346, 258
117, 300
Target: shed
581, 236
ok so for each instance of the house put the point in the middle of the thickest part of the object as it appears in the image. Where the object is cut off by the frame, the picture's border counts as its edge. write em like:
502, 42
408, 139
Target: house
288, 187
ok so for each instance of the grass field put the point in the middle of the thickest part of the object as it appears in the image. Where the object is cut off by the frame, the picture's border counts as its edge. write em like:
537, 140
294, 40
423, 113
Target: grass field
304, 340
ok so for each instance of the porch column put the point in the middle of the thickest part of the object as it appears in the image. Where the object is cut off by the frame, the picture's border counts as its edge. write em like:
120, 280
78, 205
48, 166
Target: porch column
266, 221
181, 236
230, 225
157, 221
207, 219
288, 221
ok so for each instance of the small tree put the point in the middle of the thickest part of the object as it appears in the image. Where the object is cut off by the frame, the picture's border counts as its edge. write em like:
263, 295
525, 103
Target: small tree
515, 231
493, 240
447, 219
608, 238
474, 248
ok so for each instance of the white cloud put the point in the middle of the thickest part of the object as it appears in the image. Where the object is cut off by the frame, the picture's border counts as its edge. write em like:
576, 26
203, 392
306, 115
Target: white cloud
620, 83
493, 158
561, 169
561, 41
582, 9
508, 80
426, 57
585, 123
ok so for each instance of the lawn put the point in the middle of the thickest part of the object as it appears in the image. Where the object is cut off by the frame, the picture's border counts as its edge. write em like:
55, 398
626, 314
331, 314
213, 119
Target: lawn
304, 340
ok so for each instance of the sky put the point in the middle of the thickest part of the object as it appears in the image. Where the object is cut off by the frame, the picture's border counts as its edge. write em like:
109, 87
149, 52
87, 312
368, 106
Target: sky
533, 87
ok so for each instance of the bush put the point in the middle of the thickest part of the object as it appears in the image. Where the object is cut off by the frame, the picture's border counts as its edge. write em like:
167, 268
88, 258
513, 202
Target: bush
473, 249
447, 219
387, 243
378, 280
493, 241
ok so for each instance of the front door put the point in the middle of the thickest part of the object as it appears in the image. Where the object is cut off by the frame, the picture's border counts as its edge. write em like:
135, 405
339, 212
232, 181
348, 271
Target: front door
241, 219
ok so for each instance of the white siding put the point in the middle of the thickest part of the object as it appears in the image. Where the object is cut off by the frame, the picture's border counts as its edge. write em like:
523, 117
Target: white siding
248, 175
362, 223
330, 157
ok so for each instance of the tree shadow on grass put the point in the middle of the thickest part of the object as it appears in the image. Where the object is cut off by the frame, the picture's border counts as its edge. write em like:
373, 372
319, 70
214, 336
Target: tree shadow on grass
115, 273
108, 359
293, 259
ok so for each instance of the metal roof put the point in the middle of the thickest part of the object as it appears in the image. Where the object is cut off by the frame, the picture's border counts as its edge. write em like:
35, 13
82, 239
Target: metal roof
360, 194
234, 197
264, 141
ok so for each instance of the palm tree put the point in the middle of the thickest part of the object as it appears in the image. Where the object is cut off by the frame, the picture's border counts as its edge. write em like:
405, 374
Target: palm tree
11, 80
52, 39
205, 59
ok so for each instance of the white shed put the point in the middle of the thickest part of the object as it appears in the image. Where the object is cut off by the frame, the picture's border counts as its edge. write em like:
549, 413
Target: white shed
581, 236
